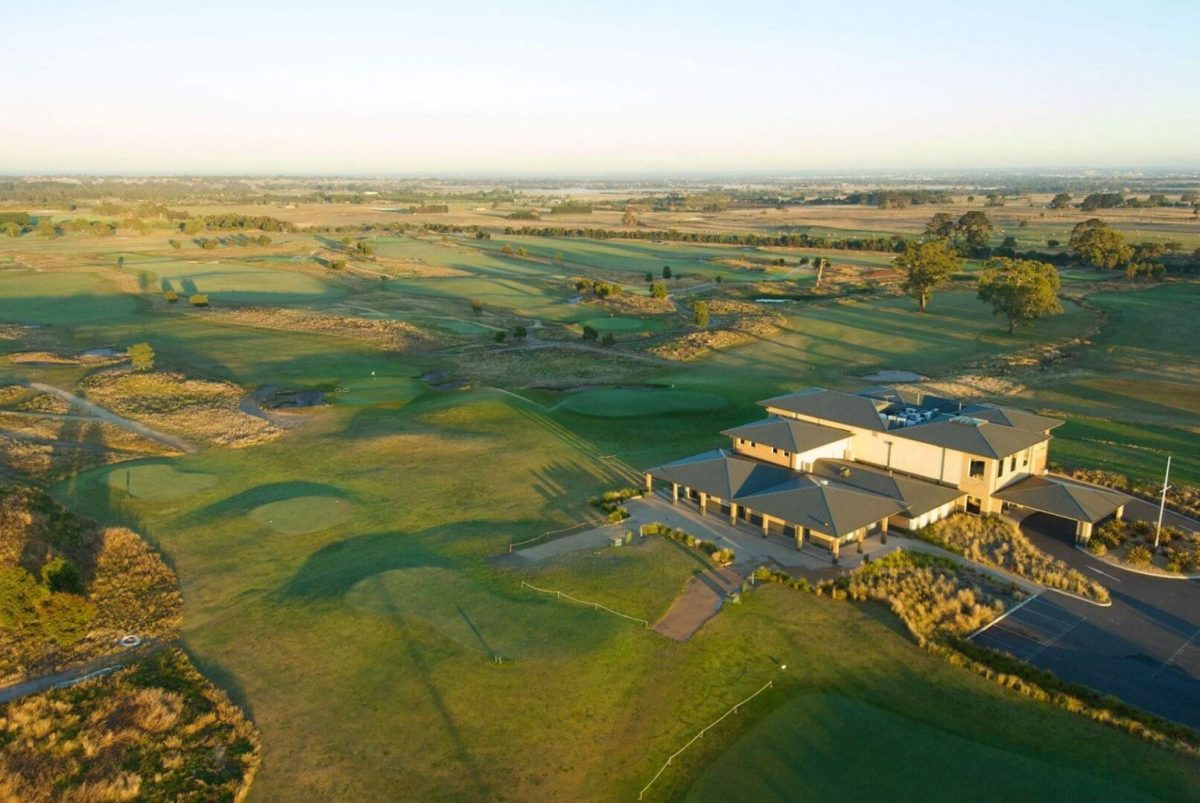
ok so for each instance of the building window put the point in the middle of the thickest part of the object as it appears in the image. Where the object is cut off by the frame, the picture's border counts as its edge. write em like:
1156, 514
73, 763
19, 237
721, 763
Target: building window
977, 469
787, 454
774, 450
1012, 463
753, 444
1025, 457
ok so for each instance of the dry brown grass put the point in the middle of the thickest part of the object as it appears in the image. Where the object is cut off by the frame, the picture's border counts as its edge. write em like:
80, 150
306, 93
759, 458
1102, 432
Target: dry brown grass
932, 596
383, 335
156, 731
129, 588
694, 345
199, 410
43, 447
995, 542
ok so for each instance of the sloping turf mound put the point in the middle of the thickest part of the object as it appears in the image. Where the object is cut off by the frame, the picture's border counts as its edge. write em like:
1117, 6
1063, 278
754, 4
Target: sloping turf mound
626, 403
303, 514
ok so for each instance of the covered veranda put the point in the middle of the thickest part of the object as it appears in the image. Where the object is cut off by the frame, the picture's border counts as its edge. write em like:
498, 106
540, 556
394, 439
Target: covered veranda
1085, 505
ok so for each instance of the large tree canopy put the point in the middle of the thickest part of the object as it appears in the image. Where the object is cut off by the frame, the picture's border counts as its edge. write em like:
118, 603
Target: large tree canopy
940, 226
926, 265
1020, 289
1096, 244
975, 228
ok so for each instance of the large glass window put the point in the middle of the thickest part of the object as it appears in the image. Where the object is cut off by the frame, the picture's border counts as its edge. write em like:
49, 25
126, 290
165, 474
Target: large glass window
977, 469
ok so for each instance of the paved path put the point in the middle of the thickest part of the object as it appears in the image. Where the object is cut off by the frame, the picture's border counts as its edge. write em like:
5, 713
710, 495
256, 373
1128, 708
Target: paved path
112, 418
702, 598
77, 674
589, 539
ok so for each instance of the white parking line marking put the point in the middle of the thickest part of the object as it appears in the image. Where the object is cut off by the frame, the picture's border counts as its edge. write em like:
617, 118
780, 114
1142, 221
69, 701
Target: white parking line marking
1106, 574
1071, 618
1051, 641
1171, 661
1005, 615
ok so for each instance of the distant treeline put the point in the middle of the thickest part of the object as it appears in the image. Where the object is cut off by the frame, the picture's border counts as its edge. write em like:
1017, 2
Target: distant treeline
233, 221
893, 243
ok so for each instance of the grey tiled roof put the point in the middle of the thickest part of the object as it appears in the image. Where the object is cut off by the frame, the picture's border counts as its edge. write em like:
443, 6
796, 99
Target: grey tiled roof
788, 434
973, 436
1071, 500
832, 407
921, 496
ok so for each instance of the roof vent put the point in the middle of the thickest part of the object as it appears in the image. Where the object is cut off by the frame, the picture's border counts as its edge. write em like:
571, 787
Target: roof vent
967, 420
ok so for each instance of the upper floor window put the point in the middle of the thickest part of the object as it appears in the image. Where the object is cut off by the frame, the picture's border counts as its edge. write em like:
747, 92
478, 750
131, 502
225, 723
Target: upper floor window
977, 469
1025, 457
1012, 463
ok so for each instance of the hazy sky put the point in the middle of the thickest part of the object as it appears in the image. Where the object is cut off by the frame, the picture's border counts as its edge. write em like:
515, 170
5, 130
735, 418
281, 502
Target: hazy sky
568, 87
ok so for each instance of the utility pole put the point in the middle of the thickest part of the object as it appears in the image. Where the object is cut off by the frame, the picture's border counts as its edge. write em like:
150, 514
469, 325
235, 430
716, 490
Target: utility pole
1162, 502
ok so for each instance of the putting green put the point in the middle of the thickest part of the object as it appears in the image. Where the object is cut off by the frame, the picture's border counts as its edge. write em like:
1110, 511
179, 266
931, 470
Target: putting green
627, 403
303, 514
619, 325
157, 481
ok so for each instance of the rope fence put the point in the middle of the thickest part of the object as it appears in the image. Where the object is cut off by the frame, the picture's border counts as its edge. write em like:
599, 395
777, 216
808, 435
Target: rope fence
546, 534
700, 735
594, 605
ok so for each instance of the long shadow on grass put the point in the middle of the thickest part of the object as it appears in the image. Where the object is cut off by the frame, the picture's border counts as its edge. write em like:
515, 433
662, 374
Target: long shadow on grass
242, 503
333, 570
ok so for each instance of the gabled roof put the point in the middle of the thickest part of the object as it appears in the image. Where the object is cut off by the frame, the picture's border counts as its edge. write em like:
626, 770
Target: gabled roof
821, 505
832, 406
1012, 417
1071, 500
972, 435
722, 474
919, 496
788, 434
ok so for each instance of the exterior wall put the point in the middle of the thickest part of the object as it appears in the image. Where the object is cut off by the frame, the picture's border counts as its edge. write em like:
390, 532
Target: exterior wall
760, 451
797, 461
926, 518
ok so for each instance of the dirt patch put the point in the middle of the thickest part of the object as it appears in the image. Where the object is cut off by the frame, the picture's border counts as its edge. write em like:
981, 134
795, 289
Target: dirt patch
196, 409
382, 334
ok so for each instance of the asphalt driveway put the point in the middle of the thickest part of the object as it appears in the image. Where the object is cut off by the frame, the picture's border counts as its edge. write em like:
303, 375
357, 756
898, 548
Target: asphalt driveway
1144, 649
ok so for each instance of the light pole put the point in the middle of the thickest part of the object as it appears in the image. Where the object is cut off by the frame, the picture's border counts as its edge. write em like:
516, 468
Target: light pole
1162, 503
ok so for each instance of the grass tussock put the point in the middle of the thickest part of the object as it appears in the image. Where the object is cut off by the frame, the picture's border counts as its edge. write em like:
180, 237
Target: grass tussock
1132, 543
156, 731
196, 409
1183, 498
994, 542
932, 596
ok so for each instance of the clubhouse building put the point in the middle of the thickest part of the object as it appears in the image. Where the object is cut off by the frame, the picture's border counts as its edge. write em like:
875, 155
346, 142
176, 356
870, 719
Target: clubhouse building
831, 468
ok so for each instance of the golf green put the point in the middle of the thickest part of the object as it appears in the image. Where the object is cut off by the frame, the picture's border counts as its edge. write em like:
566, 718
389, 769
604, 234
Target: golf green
628, 402
157, 482
303, 514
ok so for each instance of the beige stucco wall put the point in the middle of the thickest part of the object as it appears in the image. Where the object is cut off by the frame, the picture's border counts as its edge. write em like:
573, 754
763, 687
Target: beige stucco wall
798, 461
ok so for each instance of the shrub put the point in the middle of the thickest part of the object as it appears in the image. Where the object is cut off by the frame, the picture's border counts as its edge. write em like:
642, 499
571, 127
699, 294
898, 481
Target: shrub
171, 296
992, 541
618, 514
608, 339
64, 618
590, 333
1138, 555
199, 300
932, 596
59, 574
719, 556
499, 336
141, 356
1097, 546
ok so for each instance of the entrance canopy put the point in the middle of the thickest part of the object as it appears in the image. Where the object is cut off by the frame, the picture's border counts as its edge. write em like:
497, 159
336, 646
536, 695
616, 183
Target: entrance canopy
1060, 497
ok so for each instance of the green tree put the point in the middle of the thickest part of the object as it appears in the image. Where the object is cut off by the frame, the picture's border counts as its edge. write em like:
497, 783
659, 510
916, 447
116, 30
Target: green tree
59, 574
120, 262
658, 290
608, 339
12, 229
649, 276
666, 272
1061, 201
264, 240
1020, 289
975, 228
171, 296
589, 332
630, 217
700, 313
46, 228
520, 332
926, 265
500, 336
477, 306
940, 226
175, 244
1100, 246
141, 355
